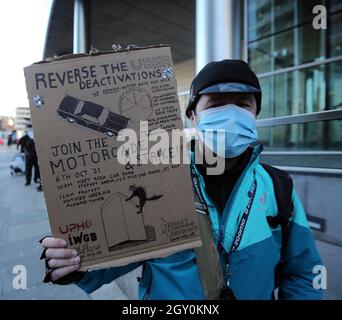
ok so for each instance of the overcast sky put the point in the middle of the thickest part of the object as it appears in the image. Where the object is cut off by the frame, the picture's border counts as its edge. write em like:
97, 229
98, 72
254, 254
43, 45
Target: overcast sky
23, 26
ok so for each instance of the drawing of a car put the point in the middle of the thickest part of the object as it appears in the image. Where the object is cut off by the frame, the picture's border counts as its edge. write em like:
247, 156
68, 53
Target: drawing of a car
92, 116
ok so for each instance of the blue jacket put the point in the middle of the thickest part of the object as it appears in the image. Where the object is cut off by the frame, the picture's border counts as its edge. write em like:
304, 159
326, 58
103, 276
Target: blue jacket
252, 265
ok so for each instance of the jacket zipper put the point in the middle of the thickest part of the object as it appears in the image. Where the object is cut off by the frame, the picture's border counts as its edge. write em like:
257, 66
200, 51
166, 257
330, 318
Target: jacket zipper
229, 202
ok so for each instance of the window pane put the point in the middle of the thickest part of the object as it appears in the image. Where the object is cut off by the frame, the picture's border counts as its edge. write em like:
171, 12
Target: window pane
283, 14
283, 52
266, 17
335, 5
321, 135
274, 42
320, 160
311, 44
278, 52
272, 53
259, 18
267, 103
259, 56
296, 92
305, 10
335, 85
335, 35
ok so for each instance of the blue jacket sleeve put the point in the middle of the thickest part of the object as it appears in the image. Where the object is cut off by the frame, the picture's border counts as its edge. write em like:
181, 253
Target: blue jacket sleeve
93, 280
301, 256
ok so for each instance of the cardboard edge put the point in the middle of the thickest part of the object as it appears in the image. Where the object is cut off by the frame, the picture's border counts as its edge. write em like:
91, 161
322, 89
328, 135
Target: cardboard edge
67, 57
143, 256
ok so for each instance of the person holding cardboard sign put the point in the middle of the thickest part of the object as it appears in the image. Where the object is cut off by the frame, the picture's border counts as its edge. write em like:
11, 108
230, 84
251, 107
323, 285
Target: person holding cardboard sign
255, 216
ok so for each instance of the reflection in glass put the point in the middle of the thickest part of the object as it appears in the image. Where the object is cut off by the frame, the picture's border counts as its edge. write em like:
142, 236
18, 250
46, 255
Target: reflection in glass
305, 10
296, 92
335, 5
322, 135
335, 35
335, 85
277, 38
311, 44
259, 19
266, 17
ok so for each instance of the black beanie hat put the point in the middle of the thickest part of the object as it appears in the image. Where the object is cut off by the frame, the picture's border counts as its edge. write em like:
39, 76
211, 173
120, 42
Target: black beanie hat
224, 76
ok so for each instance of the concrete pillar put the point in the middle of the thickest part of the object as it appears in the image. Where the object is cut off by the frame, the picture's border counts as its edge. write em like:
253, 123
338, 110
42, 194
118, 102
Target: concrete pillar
218, 31
81, 27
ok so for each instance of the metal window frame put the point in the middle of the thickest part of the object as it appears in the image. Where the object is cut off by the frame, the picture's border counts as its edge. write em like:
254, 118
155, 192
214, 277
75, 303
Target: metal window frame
304, 118
300, 67
302, 153
288, 69
300, 118
311, 170
296, 25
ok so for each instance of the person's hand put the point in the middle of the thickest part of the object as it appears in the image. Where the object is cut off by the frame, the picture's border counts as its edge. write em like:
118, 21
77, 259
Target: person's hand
61, 260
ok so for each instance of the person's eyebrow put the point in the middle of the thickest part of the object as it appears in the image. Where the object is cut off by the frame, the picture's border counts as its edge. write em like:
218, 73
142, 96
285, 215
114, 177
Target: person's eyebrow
215, 99
245, 98
218, 99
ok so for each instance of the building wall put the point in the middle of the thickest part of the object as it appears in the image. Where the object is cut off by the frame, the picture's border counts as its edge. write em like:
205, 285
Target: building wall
23, 119
6, 123
300, 70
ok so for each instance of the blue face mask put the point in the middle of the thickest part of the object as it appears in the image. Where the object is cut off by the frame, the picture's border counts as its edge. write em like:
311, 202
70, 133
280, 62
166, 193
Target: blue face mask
227, 130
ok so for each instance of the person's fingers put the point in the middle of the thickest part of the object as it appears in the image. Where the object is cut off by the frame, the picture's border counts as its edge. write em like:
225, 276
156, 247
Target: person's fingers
50, 242
59, 263
61, 272
60, 253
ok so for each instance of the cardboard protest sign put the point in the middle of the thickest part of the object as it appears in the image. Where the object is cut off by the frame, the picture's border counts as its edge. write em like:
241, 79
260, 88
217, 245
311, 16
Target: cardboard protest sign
112, 213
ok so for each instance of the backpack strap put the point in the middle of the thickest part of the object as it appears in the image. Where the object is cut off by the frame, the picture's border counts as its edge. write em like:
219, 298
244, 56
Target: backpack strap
283, 188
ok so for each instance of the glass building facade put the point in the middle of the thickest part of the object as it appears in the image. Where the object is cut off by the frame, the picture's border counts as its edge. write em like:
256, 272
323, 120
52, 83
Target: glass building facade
300, 69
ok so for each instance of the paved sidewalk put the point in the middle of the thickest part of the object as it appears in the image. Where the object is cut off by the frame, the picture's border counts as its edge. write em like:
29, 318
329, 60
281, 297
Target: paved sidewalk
23, 221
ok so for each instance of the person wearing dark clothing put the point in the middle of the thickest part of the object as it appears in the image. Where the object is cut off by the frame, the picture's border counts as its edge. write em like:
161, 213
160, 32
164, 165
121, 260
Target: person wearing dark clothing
31, 161
219, 187
9, 139
22, 142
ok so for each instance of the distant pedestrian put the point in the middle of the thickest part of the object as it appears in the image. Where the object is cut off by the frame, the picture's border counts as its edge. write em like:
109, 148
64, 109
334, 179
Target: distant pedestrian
9, 139
22, 141
31, 160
